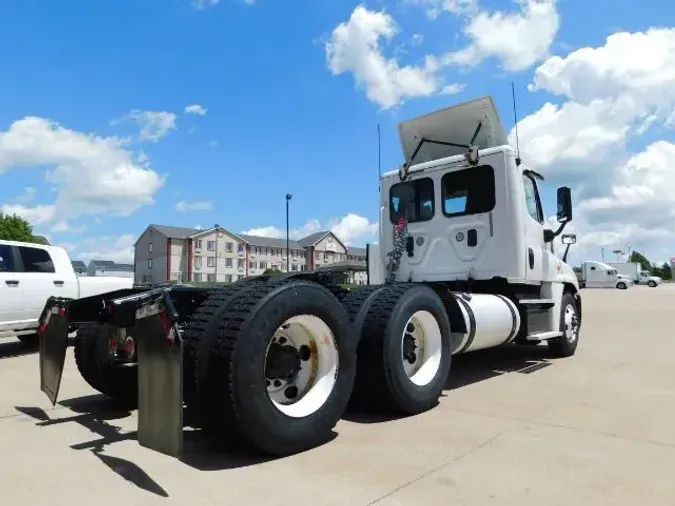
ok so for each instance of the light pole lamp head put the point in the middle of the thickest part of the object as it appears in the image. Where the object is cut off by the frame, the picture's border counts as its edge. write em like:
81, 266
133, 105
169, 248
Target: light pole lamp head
289, 196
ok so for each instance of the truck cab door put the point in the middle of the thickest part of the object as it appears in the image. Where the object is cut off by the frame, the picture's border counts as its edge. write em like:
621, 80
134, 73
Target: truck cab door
39, 280
537, 254
11, 289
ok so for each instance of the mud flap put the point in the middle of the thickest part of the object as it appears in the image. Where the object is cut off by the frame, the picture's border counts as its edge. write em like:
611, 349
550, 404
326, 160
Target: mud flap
160, 382
53, 336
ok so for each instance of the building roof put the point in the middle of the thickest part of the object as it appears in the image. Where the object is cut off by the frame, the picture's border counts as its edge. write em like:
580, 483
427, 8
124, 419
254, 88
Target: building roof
313, 239
110, 265
174, 232
357, 252
270, 242
78, 264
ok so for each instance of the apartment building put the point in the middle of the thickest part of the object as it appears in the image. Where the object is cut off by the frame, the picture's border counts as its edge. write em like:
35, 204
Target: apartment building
166, 253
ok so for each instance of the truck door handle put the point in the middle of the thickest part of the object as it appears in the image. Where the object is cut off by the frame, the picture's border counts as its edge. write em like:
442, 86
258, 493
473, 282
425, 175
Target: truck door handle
59, 283
12, 282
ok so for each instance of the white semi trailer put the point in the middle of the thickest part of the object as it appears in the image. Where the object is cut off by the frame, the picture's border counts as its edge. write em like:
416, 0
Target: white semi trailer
636, 273
463, 263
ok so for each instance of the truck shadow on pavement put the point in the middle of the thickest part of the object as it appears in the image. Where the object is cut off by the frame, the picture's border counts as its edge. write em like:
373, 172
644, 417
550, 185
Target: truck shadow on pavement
206, 452
201, 451
472, 368
15, 349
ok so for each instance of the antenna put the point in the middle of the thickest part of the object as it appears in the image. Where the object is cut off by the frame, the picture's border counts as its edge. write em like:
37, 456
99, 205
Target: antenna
515, 120
379, 158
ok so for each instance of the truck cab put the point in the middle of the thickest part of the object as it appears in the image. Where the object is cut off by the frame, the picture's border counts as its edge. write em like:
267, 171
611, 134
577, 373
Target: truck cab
478, 219
598, 275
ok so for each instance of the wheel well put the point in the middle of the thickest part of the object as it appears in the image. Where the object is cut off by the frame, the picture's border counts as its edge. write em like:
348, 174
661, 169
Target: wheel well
457, 323
570, 288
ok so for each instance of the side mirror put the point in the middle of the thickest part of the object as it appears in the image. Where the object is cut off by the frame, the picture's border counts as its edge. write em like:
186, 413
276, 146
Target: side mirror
569, 238
564, 213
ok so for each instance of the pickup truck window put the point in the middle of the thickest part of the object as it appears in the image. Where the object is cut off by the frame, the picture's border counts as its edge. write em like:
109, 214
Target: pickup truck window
36, 260
6, 259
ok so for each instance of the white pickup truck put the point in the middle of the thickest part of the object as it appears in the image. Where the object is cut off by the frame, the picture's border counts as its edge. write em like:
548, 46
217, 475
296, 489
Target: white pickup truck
29, 275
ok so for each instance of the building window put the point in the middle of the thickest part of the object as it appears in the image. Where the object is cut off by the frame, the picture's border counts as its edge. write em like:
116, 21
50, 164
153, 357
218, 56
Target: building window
210, 261
252, 265
229, 247
149, 263
317, 254
240, 263
240, 248
294, 267
228, 262
211, 245
197, 277
198, 244
263, 265
211, 278
228, 278
149, 247
198, 261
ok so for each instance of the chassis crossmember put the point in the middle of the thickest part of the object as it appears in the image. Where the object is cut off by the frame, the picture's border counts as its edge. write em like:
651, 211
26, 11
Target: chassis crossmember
151, 315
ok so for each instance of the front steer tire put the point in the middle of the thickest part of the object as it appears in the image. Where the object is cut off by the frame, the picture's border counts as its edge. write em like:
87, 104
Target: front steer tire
566, 346
239, 402
95, 366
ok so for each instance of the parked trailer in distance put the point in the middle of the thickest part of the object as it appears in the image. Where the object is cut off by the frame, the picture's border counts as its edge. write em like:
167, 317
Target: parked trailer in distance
636, 273
463, 263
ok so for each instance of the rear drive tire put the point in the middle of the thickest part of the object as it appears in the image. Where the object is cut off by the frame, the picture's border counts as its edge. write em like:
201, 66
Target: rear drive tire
96, 367
393, 373
281, 389
570, 325
200, 336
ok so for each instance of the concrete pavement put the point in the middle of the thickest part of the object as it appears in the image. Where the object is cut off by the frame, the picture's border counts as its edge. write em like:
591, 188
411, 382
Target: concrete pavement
513, 428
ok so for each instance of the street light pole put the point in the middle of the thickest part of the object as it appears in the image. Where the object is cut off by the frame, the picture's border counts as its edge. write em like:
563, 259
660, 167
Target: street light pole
288, 237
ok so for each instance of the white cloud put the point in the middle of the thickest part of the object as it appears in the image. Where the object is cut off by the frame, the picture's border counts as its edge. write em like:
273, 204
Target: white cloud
517, 39
116, 249
197, 109
27, 196
435, 7
613, 95
204, 4
355, 46
154, 124
36, 215
203, 205
93, 174
351, 229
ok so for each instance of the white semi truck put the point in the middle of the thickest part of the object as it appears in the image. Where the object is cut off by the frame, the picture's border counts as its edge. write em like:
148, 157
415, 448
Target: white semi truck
636, 273
463, 262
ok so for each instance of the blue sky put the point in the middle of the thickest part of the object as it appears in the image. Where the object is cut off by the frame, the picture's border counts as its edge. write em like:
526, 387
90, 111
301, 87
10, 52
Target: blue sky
277, 115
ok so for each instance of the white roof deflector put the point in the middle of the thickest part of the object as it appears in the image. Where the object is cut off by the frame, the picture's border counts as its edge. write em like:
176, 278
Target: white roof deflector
457, 125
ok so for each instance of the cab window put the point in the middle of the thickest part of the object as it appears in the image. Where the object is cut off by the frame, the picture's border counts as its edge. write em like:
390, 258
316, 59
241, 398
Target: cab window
468, 191
6, 258
36, 260
412, 200
532, 199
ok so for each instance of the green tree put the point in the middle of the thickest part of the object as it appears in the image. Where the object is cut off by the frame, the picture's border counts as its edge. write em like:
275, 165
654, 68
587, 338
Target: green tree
662, 271
271, 272
15, 228
640, 259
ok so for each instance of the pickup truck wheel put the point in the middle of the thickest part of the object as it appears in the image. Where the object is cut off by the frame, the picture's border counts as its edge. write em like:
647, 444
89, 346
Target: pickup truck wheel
652, 284
29, 340
97, 368
283, 367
